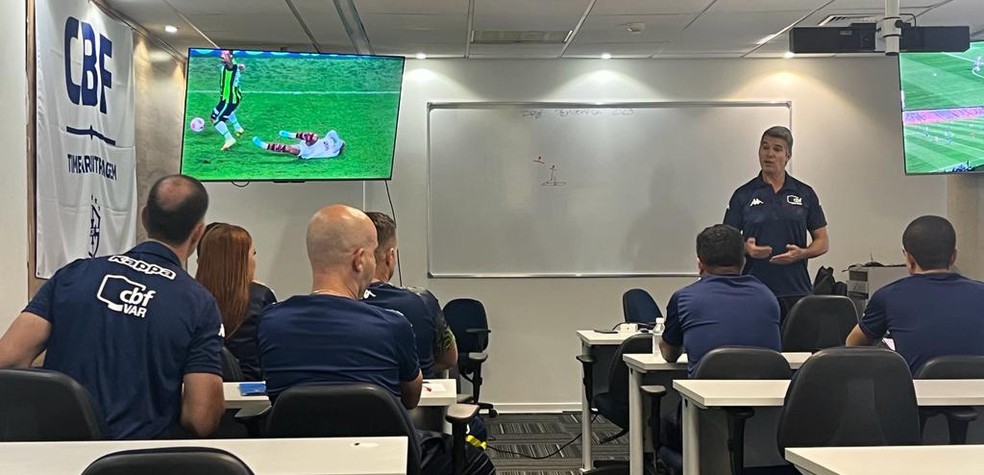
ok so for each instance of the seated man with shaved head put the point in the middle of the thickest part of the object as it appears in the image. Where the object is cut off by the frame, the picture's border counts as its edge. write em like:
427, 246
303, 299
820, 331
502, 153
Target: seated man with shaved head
331, 336
133, 328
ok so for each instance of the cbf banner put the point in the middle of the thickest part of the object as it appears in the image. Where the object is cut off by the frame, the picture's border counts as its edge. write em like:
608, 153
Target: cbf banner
86, 183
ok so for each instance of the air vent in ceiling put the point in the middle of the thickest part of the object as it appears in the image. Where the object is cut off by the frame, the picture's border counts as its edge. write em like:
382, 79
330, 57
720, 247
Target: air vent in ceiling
494, 37
847, 19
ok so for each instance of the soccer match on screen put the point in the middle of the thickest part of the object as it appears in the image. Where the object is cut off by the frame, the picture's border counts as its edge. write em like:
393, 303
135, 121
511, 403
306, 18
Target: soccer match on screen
943, 111
270, 115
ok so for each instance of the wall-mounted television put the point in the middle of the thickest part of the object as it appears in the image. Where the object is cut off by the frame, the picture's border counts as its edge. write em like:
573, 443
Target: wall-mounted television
943, 111
288, 116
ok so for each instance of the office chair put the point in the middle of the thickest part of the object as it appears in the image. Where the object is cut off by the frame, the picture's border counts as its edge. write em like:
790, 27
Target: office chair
169, 461
613, 404
736, 362
38, 405
817, 322
231, 371
470, 325
850, 397
952, 367
639, 307
359, 409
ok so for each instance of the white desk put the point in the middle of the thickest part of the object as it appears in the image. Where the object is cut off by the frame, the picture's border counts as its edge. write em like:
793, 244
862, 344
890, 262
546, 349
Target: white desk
640, 364
436, 393
703, 394
323, 456
589, 339
920, 459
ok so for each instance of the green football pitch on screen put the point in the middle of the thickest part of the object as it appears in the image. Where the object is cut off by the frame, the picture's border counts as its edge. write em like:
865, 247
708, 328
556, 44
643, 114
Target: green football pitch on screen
271, 116
943, 111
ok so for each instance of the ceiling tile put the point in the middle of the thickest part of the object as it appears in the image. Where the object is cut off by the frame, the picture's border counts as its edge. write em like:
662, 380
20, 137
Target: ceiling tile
736, 32
322, 19
649, 7
611, 28
516, 51
525, 15
427, 7
617, 50
417, 29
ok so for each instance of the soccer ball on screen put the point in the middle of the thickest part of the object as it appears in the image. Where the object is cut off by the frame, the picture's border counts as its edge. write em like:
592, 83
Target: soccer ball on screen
197, 124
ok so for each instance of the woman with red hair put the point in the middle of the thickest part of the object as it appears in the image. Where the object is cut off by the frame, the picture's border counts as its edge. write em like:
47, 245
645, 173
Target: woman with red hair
226, 267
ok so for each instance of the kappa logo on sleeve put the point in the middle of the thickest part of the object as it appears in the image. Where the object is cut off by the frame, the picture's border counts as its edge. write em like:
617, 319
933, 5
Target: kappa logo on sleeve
124, 295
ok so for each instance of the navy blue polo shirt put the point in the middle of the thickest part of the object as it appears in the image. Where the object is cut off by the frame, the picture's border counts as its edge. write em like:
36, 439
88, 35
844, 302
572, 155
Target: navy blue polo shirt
128, 328
425, 322
775, 220
928, 315
325, 339
722, 310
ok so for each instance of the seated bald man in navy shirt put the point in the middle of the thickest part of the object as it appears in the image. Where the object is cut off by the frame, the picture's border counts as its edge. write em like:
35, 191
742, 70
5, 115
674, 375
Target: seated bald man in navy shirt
133, 328
331, 336
723, 308
933, 312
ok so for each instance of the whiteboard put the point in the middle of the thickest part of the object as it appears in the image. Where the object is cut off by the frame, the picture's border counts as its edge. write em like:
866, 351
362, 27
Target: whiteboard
571, 190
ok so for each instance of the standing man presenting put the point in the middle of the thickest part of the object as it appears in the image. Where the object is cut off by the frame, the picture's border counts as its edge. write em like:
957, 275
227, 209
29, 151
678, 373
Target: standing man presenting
774, 212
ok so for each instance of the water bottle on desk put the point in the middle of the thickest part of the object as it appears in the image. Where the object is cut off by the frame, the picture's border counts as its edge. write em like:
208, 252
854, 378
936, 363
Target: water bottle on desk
658, 328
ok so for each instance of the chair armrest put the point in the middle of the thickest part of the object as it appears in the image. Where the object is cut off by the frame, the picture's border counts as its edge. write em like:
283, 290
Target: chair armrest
585, 359
478, 331
461, 413
250, 414
654, 391
958, 413
477, 357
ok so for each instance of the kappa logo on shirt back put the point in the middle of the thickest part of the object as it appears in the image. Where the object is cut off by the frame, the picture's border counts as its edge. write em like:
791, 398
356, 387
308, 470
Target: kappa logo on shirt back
144, 267
124, 295
756, 202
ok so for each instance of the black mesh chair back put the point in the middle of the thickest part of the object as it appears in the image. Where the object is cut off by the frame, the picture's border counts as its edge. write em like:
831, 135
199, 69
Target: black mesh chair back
952, 367
344, 410
38, 405
231, 371
169, 461
817, 322
850, 397
639, 307
618, 371
742, 362
462, 315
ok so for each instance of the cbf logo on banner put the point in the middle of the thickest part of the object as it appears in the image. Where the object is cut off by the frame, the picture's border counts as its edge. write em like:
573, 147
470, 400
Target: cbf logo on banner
86, 186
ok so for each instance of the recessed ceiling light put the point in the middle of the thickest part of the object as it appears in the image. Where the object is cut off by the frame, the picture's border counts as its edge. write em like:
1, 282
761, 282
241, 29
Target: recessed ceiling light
606, 56
421, 56
788, 54
170, 28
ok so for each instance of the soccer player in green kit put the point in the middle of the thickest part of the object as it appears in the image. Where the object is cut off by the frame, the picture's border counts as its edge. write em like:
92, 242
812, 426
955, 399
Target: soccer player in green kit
229, 98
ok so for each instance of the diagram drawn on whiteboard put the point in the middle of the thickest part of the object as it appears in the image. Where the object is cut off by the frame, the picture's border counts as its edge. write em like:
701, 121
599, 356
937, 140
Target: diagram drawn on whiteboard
553, 181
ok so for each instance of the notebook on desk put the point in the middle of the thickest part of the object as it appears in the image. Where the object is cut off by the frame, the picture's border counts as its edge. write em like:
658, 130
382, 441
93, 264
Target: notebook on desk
252, 389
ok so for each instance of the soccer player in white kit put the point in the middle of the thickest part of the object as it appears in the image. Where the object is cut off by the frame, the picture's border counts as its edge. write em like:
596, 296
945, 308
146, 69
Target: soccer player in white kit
308, 145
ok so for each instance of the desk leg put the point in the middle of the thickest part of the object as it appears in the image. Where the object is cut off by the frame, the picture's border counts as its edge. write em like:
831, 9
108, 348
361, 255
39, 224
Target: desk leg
586, 461
691, 438
635, 422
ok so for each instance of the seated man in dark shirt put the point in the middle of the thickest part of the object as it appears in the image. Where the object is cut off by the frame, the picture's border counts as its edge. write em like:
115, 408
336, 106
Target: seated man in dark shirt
934, 311
134, 328
723, 308
436, 349
331, 336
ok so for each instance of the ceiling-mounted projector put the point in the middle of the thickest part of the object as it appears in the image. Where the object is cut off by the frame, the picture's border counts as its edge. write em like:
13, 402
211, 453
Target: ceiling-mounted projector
860, 38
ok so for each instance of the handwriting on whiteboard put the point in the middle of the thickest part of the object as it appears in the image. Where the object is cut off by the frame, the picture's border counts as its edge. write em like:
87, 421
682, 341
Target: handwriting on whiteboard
592, 112
553, 181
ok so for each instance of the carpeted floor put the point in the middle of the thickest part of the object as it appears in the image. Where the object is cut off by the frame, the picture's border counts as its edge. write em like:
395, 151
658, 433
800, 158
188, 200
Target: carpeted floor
541, 434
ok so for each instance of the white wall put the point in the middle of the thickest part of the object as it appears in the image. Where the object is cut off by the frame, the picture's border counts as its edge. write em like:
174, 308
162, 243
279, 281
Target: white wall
13, 180
846, 123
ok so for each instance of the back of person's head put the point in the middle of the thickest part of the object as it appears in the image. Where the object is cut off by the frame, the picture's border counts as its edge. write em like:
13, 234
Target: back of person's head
931, 242
341, 240
385, 232
780, 132
225, 269
176, 204
721, 246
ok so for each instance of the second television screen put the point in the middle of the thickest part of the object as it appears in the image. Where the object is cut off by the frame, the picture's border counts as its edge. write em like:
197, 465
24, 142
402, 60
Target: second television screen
262, 115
